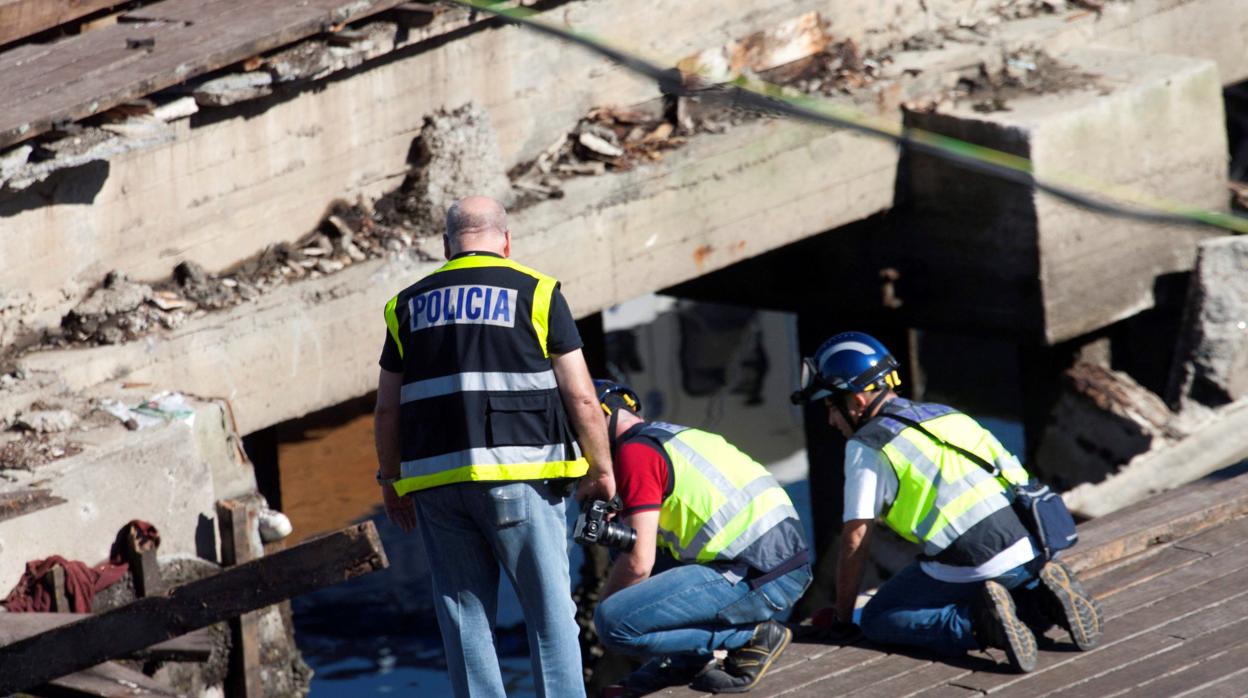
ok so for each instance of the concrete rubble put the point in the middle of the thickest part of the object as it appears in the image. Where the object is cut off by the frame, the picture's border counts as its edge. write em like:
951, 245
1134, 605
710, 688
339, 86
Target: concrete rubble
251, 272
1212, 365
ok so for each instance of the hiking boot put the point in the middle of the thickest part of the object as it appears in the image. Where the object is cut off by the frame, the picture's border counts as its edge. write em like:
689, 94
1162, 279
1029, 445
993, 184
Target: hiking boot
745, 667
1065, 602
996, 624
660, 673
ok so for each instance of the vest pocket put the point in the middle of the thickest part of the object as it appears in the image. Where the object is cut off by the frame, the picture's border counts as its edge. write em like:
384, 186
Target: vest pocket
519, 420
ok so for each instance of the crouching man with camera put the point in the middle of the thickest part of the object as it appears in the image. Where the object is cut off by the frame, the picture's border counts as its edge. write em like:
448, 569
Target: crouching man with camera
739, 553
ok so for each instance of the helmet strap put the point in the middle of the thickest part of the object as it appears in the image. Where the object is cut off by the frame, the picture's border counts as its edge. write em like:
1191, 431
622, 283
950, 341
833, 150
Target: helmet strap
612, 423
867, 414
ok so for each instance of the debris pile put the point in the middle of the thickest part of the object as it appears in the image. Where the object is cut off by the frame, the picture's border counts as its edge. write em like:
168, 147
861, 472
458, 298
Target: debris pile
456, 155
840, 68
606, 139
989, 86
32, 449
123, 310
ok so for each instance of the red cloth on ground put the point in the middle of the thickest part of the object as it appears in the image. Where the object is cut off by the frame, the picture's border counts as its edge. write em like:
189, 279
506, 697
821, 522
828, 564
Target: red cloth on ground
82, 582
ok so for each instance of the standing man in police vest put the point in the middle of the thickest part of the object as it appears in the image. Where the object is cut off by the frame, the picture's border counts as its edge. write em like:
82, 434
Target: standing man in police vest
481, 373
737, 543
901, 466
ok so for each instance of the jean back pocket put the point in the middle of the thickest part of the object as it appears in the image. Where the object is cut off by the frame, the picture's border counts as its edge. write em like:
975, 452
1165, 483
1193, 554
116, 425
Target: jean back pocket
508, 504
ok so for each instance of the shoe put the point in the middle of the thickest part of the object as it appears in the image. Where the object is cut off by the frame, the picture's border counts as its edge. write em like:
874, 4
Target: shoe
745, 667
1065, 602
996, 624
660, 673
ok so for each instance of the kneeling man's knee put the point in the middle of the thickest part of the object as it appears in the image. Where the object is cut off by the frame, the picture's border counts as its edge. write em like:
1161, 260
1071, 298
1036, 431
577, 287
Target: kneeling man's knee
611, 628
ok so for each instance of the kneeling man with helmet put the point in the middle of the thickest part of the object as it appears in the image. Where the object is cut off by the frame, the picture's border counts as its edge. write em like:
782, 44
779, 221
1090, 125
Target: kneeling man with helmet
737, 554
917, 467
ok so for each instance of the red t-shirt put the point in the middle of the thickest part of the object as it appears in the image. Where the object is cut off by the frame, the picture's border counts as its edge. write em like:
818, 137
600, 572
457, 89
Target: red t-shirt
642, 476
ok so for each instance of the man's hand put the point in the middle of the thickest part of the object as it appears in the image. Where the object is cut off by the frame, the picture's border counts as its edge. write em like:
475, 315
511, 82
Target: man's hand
400, 510
596, 484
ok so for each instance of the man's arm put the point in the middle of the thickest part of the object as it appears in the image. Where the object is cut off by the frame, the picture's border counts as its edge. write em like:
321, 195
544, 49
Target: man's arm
581, 402
855, 544
399, 510
634, 566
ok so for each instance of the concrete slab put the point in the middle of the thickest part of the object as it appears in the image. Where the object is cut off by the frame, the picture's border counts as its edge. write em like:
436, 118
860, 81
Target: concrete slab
1211, 366
1030, 265
170, 476
315, 344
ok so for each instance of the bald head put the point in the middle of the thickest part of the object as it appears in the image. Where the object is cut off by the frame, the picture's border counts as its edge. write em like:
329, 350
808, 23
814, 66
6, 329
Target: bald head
477, 223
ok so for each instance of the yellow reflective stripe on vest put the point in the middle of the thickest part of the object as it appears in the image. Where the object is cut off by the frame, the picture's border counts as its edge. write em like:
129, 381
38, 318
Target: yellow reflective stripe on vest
392, 323
498, 463
476, 381
493, 473
541, 310
541, 296
722, 502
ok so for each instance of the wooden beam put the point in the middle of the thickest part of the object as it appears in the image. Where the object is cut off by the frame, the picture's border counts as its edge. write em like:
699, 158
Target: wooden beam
320, 562
1158, 520
22, 18
158, 46
236, 520
15, 504
195, 646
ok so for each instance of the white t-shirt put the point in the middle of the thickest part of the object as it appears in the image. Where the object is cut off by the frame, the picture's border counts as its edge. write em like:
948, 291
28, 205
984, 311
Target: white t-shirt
871, 486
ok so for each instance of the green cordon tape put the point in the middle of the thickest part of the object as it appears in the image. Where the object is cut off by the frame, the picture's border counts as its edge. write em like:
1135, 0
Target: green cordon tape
1074, 188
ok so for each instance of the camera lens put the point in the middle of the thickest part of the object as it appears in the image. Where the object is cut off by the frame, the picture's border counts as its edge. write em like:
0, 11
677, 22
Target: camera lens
619, 536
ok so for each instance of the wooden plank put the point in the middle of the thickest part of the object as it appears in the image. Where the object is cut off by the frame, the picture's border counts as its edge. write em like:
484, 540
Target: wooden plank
893, 666
1231, 686
1158, 616
21, 18
108, 680
1135, 677
1179, 583
1158, 520
1078, 668
1140, 570
15, 504
927, 678
316, 563
236, 520
195, 646
94, 71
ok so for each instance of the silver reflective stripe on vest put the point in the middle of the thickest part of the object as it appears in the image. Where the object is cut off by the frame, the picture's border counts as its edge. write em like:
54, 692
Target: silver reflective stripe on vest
470, 381
946, 493
499, 455
762, 525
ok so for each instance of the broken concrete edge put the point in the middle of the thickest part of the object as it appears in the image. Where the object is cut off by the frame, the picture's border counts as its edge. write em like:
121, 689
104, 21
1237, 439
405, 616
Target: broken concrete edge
299, 349
170, 475
1214, 444
1211, 363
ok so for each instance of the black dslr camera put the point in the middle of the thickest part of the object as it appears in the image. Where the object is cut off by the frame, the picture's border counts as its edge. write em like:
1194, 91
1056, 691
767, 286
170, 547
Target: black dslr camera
592, 526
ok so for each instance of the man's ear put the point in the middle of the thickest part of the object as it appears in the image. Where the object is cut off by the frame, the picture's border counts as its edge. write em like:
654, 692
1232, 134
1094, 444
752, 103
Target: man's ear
446, 246
507, 243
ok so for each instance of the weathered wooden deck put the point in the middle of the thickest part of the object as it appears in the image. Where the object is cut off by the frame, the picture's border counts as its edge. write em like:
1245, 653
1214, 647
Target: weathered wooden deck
1172, 577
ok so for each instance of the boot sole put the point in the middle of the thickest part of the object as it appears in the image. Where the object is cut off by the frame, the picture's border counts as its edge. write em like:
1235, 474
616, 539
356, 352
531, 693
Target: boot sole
1021, 643
771, 658
1075, 610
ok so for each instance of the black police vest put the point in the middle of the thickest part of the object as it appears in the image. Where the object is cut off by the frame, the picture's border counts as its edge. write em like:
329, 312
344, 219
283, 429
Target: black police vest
479, 398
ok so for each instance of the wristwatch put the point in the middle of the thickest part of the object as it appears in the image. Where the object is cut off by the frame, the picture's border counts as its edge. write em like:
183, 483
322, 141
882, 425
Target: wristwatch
385, 481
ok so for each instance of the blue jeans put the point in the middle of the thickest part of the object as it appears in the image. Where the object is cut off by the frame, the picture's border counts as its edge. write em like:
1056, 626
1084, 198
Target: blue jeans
692, 609
917, 610
469, 529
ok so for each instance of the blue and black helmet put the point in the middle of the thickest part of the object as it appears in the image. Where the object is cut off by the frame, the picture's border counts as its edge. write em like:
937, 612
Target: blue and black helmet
612, 396
850, 362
